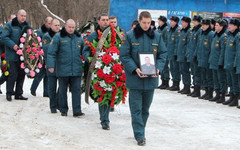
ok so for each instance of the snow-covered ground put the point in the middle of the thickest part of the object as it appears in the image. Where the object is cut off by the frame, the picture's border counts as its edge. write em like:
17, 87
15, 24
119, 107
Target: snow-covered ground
176, 122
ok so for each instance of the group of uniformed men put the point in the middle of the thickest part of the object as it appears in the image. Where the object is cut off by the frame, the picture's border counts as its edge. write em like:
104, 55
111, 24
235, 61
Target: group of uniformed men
210, 52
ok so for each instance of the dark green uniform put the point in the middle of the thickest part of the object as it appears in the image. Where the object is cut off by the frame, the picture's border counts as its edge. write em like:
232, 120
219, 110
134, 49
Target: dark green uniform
141, 89
64, 55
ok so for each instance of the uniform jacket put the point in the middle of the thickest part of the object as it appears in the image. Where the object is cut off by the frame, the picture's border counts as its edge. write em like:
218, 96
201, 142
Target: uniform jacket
216, 57
1, 41
141, 41
231, 50
172, 42
193, 42
41, 32
163, 31
45, 44
64, 51
204, 47
237, 58
183, 44
11, 35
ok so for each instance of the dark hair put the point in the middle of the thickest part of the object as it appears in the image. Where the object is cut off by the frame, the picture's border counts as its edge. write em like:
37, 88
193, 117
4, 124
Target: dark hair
112, 17
145, 14
99, 17
135, 22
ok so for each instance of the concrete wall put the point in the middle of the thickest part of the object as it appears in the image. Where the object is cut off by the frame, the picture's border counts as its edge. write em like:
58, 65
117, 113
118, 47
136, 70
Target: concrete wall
127, 10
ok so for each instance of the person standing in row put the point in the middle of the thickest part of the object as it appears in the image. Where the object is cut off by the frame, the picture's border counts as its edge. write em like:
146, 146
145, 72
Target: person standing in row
141, 87
63, 55
52, 78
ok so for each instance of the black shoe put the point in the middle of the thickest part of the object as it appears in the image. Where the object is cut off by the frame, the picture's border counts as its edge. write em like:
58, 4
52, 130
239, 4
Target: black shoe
53, 111
112, 109
9, 97
164, 84
78, 114
221, 99
186, 89
63, 114
234, 101
20, 98
33, 93
229, 100
45, 96
238, 107
141, 142
0, 91
196, 91
204, 95
209, 95
216, 98
105, 127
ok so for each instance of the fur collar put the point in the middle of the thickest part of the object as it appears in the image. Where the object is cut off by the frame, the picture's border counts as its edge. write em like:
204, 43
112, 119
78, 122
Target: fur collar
207, 31
186, 29
221, 32
44, 28
234, 33
196, 27
138, 32
16, 23
64, 33
51, 32
162, 27
174, 28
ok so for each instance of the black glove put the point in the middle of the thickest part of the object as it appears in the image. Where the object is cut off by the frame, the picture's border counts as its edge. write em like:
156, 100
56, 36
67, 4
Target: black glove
175, 57
220, 67
194, 58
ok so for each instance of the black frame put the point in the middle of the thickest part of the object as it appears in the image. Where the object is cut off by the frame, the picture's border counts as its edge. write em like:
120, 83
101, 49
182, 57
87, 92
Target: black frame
142, 62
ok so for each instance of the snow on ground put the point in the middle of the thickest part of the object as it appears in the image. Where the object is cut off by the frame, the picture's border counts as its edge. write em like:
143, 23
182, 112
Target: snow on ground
176, 122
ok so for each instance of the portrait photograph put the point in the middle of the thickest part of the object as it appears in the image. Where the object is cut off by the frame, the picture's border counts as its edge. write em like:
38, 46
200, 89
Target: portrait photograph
147, 63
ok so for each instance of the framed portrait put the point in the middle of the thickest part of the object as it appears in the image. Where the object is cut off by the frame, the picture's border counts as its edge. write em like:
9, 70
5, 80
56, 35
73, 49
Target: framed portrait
147, 63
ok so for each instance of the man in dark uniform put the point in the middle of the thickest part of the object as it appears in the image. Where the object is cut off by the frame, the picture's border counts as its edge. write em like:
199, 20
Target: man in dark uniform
183, 45
172, 43
216, 61
230, 54
52, 78
141, 39
11, 34
42, 74
163, 30
64, 55
195, 70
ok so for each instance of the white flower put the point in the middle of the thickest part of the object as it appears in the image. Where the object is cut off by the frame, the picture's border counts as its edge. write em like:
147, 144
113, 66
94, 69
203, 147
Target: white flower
21, 58
21, 45
24, 35
103, 84
101, 54
115, 56
107, 70
116, 97
37, 70
109, 89
40, 44
98, 65
94, 76
26, 70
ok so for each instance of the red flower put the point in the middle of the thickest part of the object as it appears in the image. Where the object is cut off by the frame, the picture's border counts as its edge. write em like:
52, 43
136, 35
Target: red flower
117, 68
100, 74
107, 59
3, 55
114, 50
82, 58
119, 83
4, 68
109, 78
99, 34
97, 87
123, 77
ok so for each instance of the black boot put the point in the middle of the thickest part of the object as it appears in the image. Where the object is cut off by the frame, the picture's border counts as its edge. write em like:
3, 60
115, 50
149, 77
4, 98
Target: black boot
174, 87
204, 95
209, 95
180, 91
196, 92
216, 98
164, 84
229, 100
222, 98
190, 94
234, 101
186, 89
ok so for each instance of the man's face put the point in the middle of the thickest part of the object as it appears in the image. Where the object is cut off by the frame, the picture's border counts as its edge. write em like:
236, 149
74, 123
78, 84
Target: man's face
184, 24
205, 27
147, 60
195, 23
22, 16
145, 23
48, 23
172, 23
70, 27
103, 22
232, 27
160, 23
113, 22
218, 28
55, 26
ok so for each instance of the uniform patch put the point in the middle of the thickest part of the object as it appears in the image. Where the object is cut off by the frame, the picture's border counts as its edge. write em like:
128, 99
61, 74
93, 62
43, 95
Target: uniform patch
205, 43
155, 50
123, 42
231, 44
51, 42
217, 45
154, 44
5, 28
135, 43
65, 41
44, 41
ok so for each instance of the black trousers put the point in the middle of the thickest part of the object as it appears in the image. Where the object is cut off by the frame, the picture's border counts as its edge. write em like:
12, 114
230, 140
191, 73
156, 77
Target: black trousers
16, 76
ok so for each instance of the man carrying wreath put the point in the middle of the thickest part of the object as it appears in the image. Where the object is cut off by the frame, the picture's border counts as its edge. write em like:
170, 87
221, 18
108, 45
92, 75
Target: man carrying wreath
141, 39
